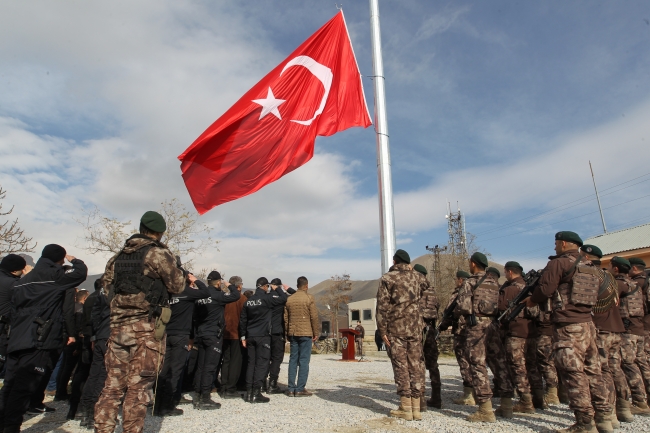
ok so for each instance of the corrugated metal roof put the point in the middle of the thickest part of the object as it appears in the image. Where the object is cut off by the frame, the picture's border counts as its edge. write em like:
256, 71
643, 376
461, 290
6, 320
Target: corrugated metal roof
623, 240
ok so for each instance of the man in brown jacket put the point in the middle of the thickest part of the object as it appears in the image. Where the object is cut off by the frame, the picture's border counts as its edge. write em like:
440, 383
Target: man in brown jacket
301, 323
232, 350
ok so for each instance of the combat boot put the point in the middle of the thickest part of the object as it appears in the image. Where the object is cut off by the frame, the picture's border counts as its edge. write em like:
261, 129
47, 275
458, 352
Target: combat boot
483, 414
524, 405
265, 386
404, 411
550, 396
206, 403
249, 395
258, 397
82, 414
584, 424
640, 408
415, 408
505, 408
603, 422
273, 387
436, 398
90, 424
562, 394
468, 397
615, 422
538, 399
623, 410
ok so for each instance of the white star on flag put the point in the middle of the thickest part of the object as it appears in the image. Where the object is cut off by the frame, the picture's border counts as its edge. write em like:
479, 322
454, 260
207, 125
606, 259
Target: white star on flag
269, 105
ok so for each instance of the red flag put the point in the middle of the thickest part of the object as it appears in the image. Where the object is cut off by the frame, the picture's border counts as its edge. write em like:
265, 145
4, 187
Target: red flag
271, 130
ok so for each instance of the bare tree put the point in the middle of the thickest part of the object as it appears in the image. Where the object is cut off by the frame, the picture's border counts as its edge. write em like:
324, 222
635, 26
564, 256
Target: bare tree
12, 237
335, 299
103, 234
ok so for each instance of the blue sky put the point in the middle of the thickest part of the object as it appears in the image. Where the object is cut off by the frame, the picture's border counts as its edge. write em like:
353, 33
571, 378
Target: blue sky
496, 105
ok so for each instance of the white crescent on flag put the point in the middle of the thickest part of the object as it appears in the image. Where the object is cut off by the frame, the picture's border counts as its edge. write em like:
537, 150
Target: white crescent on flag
324, 75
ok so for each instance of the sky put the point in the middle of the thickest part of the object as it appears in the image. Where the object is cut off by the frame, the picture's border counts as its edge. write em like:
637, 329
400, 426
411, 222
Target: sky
495, 106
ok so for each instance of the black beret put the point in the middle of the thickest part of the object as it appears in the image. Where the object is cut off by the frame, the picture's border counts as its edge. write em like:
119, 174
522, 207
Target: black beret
54, 252
569, 237
635, 261
592, 249
403, 256
154, 221
262, 281
620, 261
513, 264
462, 274
13, 263
214, 276
276, 282
480, 259
494, 271
421, 269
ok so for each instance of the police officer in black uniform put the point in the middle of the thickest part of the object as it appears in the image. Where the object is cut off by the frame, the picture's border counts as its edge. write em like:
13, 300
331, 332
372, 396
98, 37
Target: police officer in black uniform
255, 331
277, 337
11, 269
37, 330
178, 343
209, 337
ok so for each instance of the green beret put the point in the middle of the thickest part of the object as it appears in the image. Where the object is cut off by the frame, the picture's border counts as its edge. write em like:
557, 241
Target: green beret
421, 269
462, 274
494, 271
514, 265
635, 261
480, 259
592, 249
569, 237
620, 261
403, 256
154, 221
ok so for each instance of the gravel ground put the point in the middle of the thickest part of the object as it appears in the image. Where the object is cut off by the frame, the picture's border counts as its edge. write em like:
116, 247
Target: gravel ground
348, 398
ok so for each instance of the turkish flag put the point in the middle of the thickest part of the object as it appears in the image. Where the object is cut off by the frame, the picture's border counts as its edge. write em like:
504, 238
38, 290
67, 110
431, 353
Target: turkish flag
271, 130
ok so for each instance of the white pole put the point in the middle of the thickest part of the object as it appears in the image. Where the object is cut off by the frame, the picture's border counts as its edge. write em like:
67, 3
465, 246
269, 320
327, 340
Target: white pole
387, 215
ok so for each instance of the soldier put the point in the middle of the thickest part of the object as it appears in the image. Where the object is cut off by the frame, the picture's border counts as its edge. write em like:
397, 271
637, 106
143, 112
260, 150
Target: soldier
400, 324
544, 356
459, 331
429, 306
478, 302
572, 283
138, 279
632, 311
520, 344
638, 274
491, 357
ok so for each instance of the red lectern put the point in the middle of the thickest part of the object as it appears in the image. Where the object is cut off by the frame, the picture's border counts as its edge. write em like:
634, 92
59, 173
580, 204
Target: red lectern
347, 343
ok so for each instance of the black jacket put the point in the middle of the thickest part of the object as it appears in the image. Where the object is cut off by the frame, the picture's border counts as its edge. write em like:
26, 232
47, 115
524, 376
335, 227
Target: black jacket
209, 311
182, 306
7, 282
255, 319
277, 311
40, 294
100, 316
87, 314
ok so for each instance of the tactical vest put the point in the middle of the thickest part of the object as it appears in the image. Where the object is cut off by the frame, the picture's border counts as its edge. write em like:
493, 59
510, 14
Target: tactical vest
429, 305
632, 301
485, 300
129, 279
582, 289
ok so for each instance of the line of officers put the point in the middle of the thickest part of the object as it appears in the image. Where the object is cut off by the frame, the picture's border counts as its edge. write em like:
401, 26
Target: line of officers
583, 338
139, 328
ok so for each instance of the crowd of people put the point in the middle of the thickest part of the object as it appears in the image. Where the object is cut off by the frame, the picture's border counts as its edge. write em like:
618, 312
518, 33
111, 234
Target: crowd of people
581, 336
148, 332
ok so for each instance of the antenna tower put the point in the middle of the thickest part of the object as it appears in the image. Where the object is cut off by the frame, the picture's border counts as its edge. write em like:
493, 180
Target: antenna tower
456, 229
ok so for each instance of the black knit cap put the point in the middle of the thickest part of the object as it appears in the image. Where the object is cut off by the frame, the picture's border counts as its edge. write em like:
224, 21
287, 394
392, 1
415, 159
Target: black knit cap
214, 276
54, 252
569, 237
592, 250
514, 265
421, 269
262, 281
462, 274
13, 263
494, 271
635, 261
276, 282
403, 256
480, 259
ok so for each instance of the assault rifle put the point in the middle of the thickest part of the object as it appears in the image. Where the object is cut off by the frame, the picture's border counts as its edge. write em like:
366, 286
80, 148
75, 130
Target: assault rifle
515, 306
447, 315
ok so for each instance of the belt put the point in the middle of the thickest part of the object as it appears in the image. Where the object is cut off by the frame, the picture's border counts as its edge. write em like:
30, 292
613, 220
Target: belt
484, 319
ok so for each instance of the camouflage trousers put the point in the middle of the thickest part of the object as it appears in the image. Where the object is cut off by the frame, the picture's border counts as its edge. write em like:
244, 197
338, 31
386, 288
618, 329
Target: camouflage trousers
431, 354
578, 363
482, 339
408, 365
546, 360
133, 359
609, 346
522, 358
460, 344
644, 363
632, 347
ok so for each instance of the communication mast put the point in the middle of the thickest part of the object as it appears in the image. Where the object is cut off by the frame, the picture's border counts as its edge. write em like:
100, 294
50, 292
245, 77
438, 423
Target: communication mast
456, 229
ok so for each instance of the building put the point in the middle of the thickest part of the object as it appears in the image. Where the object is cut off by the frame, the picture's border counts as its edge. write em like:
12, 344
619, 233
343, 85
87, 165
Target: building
626, 243
364, 311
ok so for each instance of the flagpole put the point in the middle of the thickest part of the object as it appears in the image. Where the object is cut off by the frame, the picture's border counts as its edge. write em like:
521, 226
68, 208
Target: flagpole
387, 216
